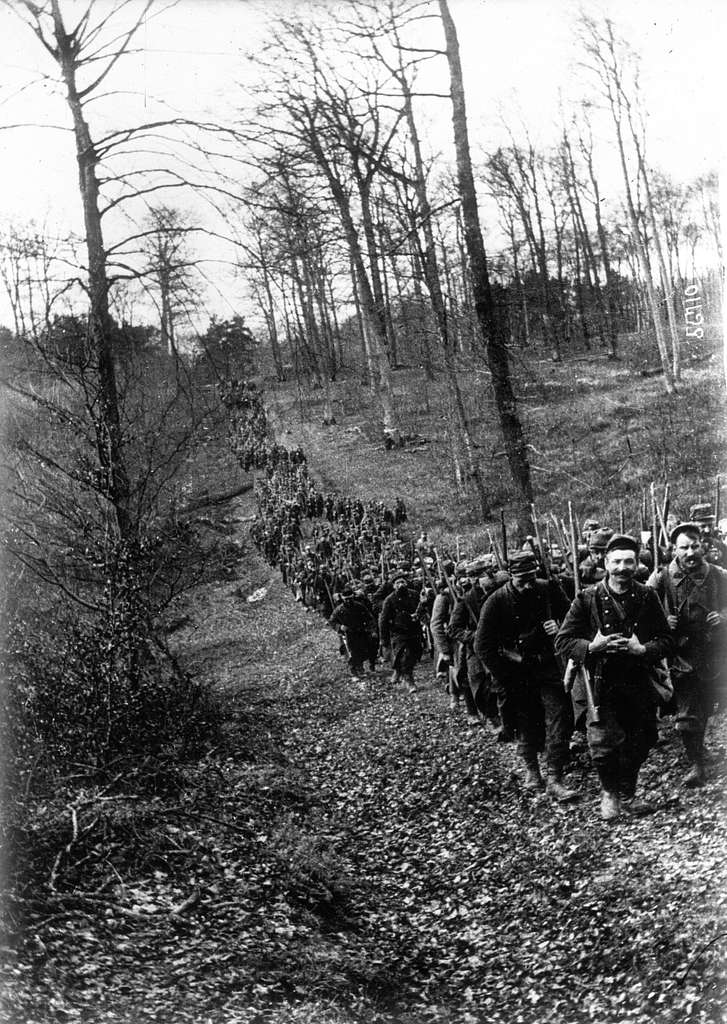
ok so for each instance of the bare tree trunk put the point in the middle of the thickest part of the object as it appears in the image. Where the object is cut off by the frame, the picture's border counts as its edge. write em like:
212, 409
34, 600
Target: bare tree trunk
368, 367
495, 347
431, 276
109, 444
667, 282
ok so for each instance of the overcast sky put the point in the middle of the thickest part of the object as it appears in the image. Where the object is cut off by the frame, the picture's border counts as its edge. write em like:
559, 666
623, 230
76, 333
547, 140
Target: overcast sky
519, 57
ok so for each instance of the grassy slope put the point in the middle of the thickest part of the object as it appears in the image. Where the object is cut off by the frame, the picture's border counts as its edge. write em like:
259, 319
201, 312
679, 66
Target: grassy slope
598, 432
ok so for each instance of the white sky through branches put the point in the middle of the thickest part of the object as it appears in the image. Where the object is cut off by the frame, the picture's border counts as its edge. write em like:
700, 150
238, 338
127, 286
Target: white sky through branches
519, 61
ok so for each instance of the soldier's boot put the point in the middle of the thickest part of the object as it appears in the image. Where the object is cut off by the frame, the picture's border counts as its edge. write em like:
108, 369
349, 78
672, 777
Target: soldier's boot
554, 787
638, 808
610, 806
533, 781
694, 747
578, 742
411, 686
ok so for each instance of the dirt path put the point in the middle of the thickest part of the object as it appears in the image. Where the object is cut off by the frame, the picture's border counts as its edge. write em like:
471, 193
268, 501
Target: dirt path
407, 869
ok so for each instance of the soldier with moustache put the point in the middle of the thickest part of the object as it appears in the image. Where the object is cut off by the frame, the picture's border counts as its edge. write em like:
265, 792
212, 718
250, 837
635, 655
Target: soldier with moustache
618, 631
693, 593
514, 640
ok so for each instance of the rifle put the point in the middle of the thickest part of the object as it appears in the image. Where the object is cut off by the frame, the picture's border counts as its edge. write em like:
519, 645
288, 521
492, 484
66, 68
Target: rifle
643, 510
328, 591
504, 538
562, 542
717, 496
665, 510
659, 516
574, 548
543, 561
621, 521
494, 548
572, 671
343, 633
654, 531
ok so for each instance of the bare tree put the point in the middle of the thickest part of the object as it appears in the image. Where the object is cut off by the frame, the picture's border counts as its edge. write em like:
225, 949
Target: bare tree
492, 329
168, 268
610, 65
336, 130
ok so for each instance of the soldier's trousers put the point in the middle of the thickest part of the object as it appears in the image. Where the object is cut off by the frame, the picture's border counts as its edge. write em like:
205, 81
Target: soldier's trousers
543, 720
358, 646
480, 686
694, 699
620, 741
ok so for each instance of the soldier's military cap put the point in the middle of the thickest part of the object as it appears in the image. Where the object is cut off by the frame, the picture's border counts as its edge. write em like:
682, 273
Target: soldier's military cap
477, 567
347, 592
623, 542
591, 524
523, 563
400, 576
684, 528
599, 540
701, 514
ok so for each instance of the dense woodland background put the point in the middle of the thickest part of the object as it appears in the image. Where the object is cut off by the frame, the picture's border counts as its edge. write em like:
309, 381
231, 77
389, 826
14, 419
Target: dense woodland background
568, 347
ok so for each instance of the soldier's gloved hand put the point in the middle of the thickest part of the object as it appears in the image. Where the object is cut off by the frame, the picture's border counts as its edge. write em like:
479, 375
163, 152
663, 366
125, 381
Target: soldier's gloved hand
599, 644
550, 626
672, 620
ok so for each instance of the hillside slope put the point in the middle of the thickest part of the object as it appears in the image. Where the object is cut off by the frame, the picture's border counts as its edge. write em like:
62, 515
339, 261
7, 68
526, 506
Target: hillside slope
352, 853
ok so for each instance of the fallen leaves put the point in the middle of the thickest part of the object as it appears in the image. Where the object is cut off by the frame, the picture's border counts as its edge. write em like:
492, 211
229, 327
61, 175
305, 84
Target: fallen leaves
353, 855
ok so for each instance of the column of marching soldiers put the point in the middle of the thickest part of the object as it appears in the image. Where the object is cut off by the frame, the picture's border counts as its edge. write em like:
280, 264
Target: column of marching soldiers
588, 639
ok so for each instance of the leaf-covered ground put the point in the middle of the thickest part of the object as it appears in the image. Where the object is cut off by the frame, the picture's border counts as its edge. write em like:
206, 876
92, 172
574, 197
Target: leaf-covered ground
354, 853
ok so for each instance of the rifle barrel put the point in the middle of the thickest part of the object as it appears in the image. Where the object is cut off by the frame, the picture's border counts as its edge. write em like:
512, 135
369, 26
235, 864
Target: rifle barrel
574, 548
504, 537
717, 498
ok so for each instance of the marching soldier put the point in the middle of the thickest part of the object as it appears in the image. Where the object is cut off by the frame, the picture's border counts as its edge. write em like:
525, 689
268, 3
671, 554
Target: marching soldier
514, 640
591, 569
617, 630
400, 631
693, 594
355, 623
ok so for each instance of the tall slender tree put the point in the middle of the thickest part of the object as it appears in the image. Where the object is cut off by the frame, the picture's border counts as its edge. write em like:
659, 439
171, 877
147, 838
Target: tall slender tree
493, 331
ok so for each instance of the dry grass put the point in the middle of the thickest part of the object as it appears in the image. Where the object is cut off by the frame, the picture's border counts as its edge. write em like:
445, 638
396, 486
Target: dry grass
599, 432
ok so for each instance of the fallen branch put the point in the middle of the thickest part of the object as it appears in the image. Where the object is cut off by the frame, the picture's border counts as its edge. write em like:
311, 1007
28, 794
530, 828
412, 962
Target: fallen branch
700, 952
